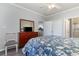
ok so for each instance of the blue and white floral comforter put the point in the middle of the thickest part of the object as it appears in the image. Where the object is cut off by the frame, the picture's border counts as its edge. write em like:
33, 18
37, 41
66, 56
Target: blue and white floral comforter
51, 46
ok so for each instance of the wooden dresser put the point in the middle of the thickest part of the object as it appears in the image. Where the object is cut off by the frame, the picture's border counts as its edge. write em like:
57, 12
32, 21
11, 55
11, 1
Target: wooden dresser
25, 36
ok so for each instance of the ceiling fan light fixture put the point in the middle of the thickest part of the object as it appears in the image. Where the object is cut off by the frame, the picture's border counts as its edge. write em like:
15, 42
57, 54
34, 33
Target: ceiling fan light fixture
51, 6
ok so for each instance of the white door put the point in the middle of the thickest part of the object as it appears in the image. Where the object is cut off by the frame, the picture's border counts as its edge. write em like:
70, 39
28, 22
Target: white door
67, 28
48, 28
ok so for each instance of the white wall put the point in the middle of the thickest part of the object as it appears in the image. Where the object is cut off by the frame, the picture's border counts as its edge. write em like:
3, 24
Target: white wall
59, 19
9, 20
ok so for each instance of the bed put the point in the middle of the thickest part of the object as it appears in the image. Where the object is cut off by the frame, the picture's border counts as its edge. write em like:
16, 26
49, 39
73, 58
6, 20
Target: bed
51, 46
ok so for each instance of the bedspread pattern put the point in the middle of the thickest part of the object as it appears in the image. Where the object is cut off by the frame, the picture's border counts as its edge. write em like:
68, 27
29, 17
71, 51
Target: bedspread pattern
51, 46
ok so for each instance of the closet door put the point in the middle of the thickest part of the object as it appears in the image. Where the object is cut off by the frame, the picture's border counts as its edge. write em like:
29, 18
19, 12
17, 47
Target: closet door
48, 28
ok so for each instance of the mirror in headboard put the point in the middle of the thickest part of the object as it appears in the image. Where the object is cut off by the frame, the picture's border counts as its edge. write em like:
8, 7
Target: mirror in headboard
26, 25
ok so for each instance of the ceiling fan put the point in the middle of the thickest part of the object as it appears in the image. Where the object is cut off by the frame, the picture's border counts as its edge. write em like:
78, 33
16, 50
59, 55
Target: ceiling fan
52, 6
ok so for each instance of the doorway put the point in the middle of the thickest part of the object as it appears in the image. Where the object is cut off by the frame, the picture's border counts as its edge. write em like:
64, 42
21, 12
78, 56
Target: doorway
72, 27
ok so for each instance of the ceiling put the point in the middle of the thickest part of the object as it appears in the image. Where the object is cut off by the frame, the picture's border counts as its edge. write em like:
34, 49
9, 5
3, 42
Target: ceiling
43, 9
